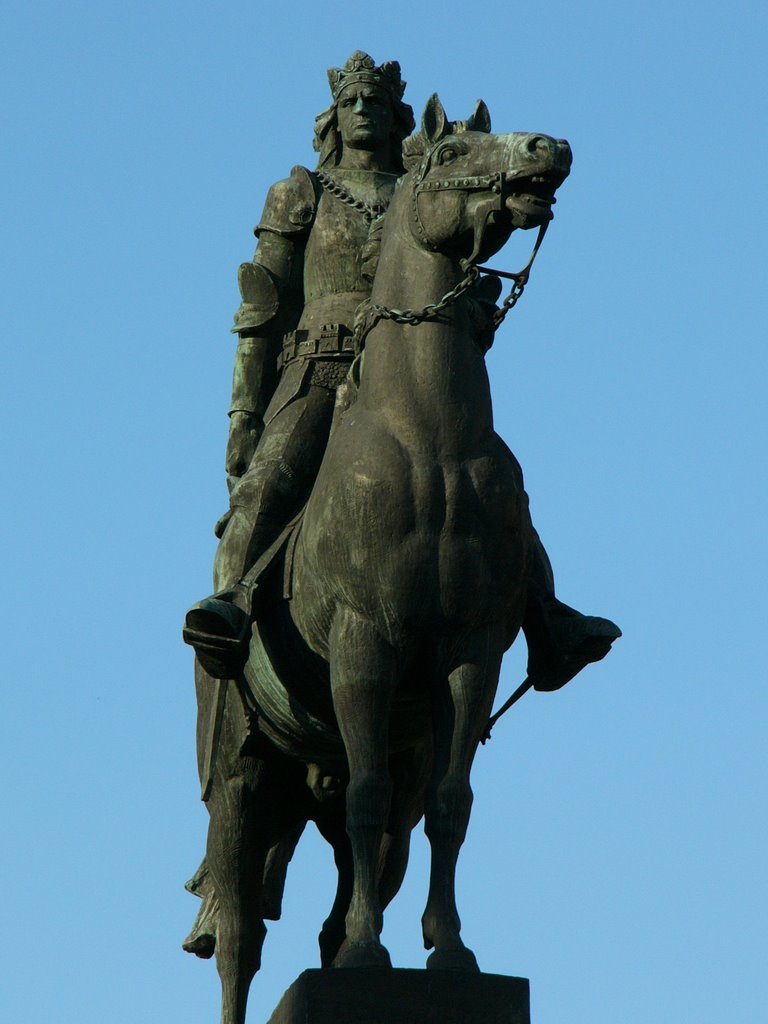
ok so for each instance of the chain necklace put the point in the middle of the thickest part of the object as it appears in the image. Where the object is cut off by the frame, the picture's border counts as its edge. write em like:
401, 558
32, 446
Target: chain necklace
369, 210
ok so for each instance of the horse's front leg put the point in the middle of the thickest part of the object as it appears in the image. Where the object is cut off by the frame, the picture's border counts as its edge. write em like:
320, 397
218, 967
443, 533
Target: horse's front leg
332, 828
363, 675
410, 773
461, 709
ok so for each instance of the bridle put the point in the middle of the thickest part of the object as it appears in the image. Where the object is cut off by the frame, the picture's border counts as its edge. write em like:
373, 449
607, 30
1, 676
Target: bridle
499, 186
493, 183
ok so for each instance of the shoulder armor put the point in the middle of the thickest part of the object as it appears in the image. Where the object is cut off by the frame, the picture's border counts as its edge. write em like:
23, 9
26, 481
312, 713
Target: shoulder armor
291, 205
260, 297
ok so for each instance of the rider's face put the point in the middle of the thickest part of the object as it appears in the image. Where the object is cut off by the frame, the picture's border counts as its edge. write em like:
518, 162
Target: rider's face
365, 116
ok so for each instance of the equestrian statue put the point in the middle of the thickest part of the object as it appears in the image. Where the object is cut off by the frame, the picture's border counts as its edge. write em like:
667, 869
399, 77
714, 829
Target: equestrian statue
378, 557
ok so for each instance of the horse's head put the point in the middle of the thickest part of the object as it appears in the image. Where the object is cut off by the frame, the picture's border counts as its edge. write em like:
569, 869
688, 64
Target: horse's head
471, 189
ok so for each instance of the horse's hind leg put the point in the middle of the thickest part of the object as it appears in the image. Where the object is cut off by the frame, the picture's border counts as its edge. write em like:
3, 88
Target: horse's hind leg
255, 802
461, 712
236, 854
363, 676
202, 938
409, 773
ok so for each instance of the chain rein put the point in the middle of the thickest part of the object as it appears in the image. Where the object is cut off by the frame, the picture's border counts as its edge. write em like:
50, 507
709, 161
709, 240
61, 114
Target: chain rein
518, 287
371, 314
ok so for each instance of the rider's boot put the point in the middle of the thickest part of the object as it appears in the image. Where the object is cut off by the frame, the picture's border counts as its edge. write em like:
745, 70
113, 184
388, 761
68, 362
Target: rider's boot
561, 641
218, 627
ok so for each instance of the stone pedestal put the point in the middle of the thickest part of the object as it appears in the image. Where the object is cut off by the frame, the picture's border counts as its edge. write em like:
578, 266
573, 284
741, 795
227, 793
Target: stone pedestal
381, 996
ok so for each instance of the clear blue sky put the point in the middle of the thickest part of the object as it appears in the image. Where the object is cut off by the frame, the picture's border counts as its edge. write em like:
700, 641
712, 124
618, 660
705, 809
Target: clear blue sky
617, 854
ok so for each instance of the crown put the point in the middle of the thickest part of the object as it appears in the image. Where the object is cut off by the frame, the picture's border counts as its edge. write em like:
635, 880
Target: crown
361, 67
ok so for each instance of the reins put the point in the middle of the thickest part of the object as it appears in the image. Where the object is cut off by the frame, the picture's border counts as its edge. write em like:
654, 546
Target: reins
520, 279
371, 313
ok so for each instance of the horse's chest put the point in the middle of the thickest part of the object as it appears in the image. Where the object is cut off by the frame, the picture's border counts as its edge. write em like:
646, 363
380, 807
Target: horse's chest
467, 536
420, 539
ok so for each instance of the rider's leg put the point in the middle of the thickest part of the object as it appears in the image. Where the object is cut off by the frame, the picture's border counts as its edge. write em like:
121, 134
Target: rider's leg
561, 641
278, 482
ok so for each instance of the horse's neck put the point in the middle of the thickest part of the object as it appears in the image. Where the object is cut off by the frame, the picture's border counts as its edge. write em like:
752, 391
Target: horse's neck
429, 380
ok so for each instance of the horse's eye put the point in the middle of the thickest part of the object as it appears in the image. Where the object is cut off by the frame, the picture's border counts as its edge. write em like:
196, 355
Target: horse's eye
447, 154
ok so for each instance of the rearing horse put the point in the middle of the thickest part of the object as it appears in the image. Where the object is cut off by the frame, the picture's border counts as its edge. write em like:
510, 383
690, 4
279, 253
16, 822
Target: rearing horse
409, 573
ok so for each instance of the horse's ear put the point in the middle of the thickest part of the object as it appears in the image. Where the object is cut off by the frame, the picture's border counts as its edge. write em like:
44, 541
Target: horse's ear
480, 120
434, 123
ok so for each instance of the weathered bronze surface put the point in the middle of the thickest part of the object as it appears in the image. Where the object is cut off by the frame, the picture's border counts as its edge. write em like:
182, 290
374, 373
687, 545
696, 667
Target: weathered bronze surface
378, 556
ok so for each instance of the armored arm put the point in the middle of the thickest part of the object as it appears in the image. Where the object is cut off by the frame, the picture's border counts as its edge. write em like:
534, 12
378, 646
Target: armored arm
257, 324
272, 301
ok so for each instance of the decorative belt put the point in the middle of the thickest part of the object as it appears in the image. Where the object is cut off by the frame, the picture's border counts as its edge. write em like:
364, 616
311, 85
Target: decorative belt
333, 342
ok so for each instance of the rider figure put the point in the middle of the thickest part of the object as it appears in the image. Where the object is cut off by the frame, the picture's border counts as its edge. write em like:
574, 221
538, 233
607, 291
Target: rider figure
300, 295
295, 323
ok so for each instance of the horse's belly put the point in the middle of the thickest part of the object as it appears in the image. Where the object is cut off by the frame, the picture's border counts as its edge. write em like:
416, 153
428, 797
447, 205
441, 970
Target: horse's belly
413, 541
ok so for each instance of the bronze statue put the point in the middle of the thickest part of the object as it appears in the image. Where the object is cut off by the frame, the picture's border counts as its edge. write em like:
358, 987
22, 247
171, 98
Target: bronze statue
378, 557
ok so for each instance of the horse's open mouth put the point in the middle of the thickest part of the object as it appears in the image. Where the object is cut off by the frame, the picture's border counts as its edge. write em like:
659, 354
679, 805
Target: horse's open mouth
525, 202
532, 197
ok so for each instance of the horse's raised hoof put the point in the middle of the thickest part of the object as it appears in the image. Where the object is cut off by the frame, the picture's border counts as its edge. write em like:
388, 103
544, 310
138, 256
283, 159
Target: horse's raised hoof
452, 960
201, 940
362, 955
202, 945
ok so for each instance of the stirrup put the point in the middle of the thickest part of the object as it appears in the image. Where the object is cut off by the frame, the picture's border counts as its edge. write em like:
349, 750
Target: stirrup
222, 652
